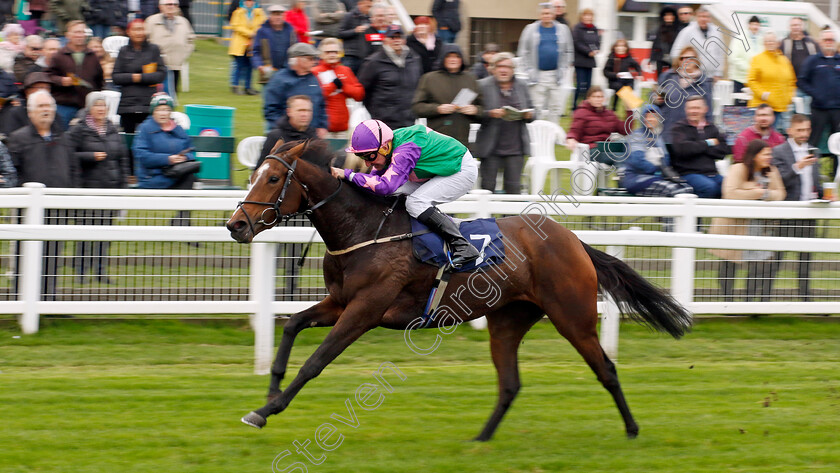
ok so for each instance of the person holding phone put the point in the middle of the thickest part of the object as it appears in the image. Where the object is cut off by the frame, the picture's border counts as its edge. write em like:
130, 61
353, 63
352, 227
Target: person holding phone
797, 162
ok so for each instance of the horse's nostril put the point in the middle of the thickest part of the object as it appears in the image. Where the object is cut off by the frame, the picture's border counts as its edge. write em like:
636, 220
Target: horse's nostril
236, 226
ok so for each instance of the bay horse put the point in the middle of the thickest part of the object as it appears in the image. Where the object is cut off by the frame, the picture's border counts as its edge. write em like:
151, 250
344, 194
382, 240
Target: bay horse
383, 285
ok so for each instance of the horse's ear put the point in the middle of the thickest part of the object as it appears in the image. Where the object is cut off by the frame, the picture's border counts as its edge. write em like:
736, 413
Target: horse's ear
297, 150
277, 146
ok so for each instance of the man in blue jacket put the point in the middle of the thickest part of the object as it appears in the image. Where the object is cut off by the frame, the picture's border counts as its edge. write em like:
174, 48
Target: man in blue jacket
820, 78
271, 42
297, 79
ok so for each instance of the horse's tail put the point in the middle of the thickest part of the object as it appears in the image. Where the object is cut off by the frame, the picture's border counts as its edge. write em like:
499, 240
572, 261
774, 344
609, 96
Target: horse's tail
636, 297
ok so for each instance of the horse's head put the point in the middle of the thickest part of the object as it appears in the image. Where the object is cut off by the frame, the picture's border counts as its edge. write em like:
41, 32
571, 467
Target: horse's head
276, 193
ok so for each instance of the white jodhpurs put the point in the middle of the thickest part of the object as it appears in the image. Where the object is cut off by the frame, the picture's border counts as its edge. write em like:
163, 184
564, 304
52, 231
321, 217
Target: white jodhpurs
440, 189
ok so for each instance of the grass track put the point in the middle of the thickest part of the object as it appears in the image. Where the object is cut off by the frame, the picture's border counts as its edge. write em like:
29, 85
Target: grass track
154, 396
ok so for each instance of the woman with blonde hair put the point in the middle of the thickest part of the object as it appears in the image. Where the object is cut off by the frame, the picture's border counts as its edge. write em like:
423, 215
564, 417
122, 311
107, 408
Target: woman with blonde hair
685, 79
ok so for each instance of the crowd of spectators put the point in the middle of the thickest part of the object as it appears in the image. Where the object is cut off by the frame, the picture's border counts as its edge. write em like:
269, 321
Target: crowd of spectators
311, 57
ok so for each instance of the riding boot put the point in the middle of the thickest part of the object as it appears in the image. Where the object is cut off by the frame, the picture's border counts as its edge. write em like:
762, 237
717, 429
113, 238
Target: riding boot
462, 251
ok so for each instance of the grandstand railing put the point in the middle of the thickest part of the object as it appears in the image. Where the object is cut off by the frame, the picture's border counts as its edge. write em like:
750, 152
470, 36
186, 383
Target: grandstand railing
155, 268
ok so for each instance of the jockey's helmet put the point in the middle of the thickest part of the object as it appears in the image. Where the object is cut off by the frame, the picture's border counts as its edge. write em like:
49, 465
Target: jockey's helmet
369, 136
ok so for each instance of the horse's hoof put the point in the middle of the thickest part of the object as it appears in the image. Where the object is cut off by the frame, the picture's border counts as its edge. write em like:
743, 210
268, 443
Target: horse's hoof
632, 434
254, 420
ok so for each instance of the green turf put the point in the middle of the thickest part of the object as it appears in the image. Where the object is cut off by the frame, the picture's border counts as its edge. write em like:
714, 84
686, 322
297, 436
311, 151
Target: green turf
161, 396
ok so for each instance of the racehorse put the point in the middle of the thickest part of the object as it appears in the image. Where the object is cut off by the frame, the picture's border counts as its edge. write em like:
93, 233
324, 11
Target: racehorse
382, 285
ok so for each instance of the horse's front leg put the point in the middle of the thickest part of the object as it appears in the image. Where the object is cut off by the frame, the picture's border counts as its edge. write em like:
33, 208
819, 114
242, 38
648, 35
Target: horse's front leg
361, 315
322, 314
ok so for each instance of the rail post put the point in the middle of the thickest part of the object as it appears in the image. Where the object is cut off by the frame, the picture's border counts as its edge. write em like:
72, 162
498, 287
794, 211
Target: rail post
261, 293
31, 259
682, 269
610, 316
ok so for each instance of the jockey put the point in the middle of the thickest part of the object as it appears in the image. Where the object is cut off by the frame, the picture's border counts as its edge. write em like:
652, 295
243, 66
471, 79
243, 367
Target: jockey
429, 167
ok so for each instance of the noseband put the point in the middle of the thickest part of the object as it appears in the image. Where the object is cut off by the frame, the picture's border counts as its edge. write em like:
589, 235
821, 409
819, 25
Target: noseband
275, 206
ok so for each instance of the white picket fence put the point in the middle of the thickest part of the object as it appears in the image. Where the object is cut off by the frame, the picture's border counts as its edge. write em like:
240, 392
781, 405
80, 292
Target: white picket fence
261, 303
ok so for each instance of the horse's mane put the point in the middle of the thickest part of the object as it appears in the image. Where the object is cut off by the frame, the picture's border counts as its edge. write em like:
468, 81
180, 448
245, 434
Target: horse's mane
317, 152
314, 151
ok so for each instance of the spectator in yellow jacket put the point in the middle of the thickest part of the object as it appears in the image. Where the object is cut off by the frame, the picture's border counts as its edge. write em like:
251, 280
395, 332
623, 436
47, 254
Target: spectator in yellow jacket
772, 80
246, 20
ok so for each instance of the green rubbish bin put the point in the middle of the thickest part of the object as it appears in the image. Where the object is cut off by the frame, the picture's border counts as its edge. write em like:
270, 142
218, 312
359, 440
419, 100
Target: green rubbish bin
211, 120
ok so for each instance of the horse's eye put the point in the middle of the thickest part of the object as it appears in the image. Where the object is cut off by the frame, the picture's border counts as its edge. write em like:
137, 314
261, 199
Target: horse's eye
273, 179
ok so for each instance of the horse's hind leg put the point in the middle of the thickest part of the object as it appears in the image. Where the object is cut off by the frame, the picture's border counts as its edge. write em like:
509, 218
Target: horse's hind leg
507, 326
322, 314
580, 330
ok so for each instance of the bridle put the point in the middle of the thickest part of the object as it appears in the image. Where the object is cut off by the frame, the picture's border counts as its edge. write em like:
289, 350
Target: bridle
275, 206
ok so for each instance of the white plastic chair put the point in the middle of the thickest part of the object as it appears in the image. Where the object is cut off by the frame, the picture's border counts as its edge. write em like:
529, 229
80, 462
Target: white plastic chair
545, 136
248, 151
834, 143
182, 120
113, 44
358, 116
722, 166
799, 105
474, 127
112, 101
723, 90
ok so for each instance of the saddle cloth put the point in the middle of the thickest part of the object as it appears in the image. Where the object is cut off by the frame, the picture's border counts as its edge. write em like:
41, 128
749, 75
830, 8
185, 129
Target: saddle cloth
482, 233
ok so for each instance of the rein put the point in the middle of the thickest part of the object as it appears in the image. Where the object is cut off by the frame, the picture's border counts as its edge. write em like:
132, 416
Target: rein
376, 240
275, 206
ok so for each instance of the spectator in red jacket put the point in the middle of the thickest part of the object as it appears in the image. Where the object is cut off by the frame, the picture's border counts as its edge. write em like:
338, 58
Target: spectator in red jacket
298, 19
761, 129
338, 83
592, 121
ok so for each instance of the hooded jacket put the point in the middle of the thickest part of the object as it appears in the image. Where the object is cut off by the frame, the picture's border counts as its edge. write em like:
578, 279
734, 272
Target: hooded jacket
660, 50
440, 87
638, 173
